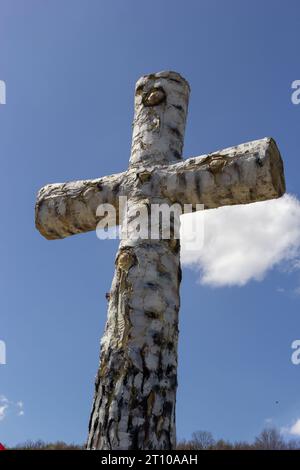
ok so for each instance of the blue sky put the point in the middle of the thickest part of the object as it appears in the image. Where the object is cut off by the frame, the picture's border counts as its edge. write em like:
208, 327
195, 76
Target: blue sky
70, 68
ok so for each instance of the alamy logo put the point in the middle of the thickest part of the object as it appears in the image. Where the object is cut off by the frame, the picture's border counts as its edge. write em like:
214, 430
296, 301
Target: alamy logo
2, 353
296, 354
144, 221
2, 92
296, 94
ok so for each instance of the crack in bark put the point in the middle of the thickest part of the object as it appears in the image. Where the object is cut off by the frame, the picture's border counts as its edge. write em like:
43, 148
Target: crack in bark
135, 387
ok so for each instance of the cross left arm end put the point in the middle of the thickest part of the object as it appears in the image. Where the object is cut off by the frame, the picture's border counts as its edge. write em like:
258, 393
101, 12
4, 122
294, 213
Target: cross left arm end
65, 209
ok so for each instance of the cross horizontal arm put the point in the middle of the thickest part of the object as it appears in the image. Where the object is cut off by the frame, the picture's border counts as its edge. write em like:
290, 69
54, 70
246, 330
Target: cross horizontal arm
238, 175
65, 209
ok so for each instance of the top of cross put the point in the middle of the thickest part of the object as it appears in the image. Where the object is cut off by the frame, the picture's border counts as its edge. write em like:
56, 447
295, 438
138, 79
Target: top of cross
161, 102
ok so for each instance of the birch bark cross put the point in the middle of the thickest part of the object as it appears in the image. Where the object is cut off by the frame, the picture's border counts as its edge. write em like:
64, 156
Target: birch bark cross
135, 389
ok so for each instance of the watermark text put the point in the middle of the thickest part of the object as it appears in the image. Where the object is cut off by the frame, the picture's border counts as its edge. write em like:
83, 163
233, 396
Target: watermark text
296, 93
295, 358
2, 92
144, 221
2, 352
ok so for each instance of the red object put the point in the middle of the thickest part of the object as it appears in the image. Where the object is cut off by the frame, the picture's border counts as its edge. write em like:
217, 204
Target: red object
2, 447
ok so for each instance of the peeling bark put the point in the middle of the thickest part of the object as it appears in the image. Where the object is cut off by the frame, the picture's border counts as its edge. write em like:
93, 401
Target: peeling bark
135, 389
243, 174
161, 102
135, 395
64, 209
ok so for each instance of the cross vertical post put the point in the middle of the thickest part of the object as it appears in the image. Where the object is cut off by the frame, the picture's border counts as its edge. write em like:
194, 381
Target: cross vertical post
135, 392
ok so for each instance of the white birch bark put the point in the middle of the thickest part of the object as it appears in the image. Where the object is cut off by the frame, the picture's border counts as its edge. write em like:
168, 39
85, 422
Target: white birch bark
135, 390
242, 174
64, 209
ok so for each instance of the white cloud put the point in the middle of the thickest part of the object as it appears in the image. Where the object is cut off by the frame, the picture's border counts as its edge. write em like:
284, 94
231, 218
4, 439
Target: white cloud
297, 291
293, 430
20, 405
7, 405
242, 243
268, 421
295, 264
3, 409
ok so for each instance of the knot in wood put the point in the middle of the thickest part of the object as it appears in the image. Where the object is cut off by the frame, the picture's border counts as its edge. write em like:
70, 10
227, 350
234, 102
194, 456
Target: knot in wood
154, 97
126, 260
144, 176
174, 244
217, 165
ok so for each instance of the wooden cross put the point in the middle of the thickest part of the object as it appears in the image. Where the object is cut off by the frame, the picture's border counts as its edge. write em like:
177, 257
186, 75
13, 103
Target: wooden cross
135, 389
